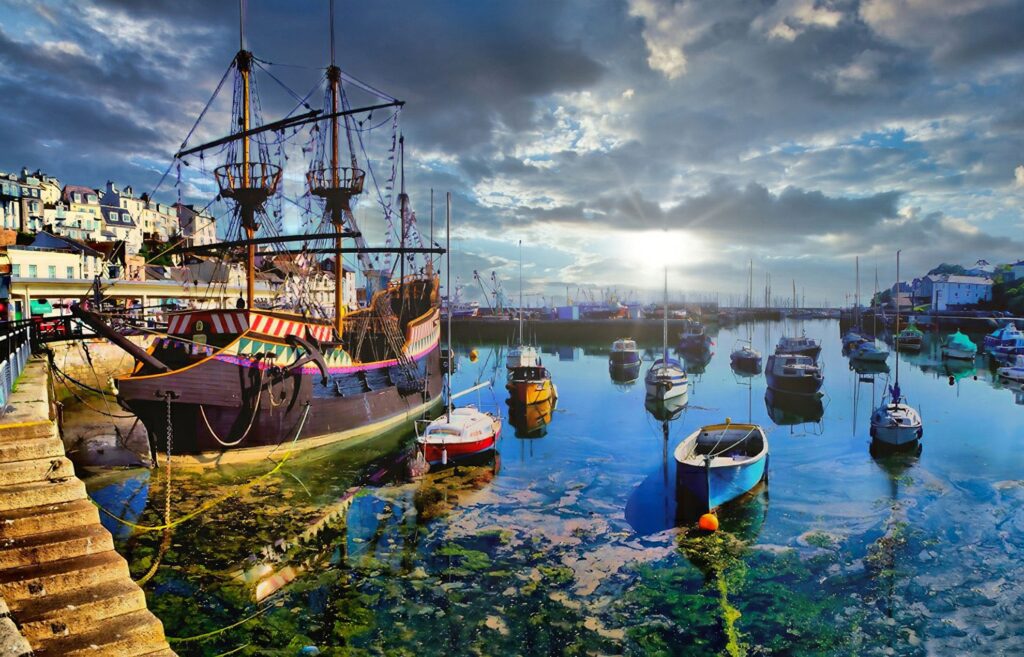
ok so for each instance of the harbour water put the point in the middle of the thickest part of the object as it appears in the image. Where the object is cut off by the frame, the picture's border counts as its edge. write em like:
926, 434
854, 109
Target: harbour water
571, 542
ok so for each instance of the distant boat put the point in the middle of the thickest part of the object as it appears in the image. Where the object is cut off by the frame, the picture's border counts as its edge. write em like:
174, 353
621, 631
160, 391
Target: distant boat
624, 352
872, 351
996, 337
744, 357
1009, 348
1013, 372
531, 385
800, 346
694, 337
666, 379
794, 374
959, 347
895, 422
909, 339
459, 434
720, 462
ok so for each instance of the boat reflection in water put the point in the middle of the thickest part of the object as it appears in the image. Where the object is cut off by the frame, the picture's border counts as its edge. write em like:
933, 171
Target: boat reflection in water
531, 420
665, 410
787, 410
624, 374
869, 367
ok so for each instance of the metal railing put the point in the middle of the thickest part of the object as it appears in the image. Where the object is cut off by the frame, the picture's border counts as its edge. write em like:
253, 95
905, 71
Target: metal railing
15, 348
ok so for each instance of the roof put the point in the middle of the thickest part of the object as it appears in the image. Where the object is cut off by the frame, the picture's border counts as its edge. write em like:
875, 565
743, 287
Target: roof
122, 218
967, 280
81, 189
50, 241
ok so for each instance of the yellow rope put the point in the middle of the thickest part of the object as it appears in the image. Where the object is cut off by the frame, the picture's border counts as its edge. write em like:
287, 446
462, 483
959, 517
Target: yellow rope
207, 635
209, 505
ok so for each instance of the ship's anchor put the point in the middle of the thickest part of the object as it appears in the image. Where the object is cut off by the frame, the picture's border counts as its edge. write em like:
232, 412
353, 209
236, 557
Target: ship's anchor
313, 355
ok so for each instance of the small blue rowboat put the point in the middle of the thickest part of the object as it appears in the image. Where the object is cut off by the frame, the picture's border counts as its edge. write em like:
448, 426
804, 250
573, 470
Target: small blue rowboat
720, 462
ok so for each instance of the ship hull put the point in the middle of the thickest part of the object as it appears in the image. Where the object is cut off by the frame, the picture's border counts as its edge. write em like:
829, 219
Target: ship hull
223, 412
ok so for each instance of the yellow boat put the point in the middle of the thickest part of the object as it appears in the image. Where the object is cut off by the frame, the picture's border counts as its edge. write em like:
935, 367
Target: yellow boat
530, 385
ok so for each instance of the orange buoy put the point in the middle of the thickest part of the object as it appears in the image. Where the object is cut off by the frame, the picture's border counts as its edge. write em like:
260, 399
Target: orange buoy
708, 522
473, 355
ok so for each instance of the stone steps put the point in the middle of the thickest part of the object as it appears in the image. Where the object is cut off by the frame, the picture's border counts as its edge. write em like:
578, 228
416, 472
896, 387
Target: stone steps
54, 546
68, 591
55, 577
16, 523
128, 635
26, 449
20, 472
78, 610
41, 493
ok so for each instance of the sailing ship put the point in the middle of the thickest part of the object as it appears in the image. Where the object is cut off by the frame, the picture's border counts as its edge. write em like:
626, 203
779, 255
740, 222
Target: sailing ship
895, 422
231, 383
666, 379
719, 462
744, 357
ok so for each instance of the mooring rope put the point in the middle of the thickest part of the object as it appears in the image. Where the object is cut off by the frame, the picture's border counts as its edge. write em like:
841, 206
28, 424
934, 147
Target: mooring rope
217, 501
252, 420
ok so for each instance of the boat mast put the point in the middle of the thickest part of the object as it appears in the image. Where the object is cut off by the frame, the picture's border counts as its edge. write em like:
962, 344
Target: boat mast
521, 341
244, 59
750, 305
448, 284
403, 208
856, 296
664, 324
896, 340
334, 77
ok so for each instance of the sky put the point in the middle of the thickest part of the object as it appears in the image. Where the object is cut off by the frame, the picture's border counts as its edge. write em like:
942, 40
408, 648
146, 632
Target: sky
612, 137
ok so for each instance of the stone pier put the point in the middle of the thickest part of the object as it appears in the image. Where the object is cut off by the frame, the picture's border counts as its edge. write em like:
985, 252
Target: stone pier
64, 587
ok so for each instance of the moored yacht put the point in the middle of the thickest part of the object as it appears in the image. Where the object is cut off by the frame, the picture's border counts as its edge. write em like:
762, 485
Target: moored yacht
1001, 334
799, 346
530, 385
1013, 372
624, 352
666, 379
694, 337
872, 351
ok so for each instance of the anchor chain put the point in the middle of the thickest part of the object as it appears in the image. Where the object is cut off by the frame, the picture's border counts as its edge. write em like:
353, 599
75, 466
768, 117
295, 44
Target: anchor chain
168, 527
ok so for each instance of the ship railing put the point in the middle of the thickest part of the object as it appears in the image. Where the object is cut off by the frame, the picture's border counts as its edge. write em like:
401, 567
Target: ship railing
15, 348
347, 180
263, 177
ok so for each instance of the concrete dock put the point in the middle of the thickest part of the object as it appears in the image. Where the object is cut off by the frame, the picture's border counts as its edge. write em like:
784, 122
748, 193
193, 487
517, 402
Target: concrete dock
66, 589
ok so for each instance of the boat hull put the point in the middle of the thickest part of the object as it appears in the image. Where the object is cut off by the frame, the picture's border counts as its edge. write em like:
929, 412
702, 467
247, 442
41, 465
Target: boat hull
623, 358
531, 392
813, 352
794, 385
746, 363
958, 354
223, 412
896, 436
436, 454
713, 487
870, 356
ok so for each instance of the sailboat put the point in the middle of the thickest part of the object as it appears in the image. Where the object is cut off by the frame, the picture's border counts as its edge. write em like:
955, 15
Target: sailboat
798, 345
855, 335
234, 383
460, 433
666, 379
521, 354
873, 350
745, 358
895, 422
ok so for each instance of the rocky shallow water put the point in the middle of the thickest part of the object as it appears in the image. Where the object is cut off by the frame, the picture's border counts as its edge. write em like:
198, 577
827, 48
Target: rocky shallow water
571, 542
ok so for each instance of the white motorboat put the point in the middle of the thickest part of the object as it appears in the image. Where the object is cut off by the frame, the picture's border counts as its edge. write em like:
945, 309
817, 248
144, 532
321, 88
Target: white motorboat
1013, 372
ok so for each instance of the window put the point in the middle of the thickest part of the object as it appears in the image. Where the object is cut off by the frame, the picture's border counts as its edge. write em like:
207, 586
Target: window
32, 271
112, 215
76, 197
16, 270
52, 271
71, 272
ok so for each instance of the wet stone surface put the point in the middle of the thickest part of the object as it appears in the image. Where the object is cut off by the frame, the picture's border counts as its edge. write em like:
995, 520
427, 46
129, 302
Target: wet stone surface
574, 543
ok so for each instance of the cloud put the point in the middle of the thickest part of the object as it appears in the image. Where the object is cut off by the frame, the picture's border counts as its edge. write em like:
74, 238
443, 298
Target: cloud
1018, 175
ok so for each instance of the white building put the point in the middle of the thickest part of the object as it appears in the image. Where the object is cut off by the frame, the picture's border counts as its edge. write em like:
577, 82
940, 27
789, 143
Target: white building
951, 292
197, 227
1017, 270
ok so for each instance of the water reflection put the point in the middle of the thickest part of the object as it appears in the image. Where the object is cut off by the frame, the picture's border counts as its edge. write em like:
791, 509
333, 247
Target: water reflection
579, 543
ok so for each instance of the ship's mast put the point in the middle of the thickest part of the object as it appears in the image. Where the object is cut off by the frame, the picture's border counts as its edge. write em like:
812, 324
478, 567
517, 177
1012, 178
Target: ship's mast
334, 78
896, 339
244, 60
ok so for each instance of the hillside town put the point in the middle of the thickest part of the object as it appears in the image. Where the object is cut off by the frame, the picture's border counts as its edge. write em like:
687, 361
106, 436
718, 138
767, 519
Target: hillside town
58, 239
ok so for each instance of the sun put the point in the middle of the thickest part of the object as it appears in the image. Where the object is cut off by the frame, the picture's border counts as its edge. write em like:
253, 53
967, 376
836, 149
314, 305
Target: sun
649, 252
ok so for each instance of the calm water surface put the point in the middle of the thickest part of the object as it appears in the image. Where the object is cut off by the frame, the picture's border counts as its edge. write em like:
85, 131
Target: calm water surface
572, 542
